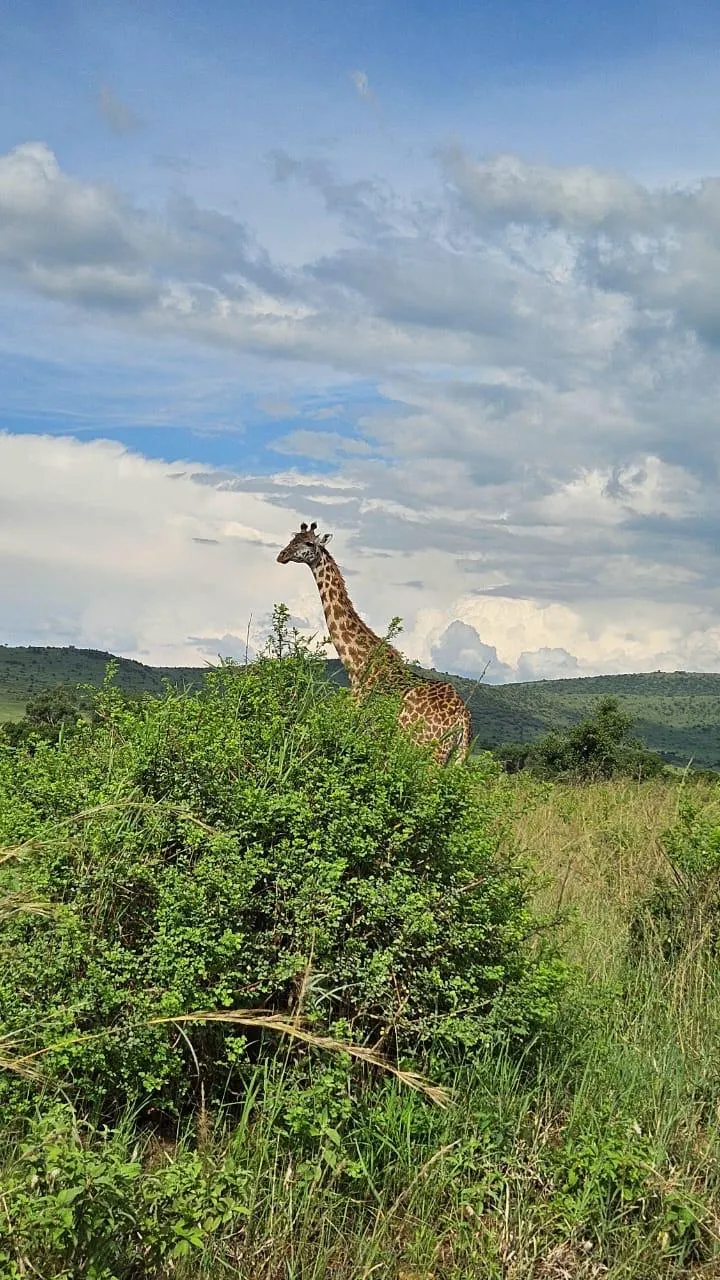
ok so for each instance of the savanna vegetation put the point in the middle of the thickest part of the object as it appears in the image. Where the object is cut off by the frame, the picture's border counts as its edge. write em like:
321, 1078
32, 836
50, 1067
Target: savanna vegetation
675, 714
30, 670
280, 998
603, 745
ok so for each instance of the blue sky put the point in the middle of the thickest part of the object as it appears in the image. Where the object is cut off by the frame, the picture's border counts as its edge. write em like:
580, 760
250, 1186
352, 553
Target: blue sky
443, 275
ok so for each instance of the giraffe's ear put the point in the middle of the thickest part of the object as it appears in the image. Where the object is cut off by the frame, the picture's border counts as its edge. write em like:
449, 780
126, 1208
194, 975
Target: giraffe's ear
325, 539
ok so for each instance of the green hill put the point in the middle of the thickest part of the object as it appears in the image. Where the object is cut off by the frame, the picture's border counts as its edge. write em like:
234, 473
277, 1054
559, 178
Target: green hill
27, 671
677, 713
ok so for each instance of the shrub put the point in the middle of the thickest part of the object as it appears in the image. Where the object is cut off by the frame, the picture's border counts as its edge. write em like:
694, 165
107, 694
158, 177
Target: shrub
264, 843
683, 907
85, 1201
50, 715
600, 746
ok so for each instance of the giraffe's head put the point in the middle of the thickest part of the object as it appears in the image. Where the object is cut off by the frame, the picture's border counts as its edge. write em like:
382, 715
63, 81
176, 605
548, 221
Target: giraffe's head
305, 547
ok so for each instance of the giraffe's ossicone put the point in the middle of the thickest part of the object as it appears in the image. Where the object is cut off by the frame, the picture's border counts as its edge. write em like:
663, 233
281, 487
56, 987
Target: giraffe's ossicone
432, 711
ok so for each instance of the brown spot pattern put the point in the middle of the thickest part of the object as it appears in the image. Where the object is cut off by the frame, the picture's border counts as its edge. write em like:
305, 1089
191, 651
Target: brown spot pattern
432, 711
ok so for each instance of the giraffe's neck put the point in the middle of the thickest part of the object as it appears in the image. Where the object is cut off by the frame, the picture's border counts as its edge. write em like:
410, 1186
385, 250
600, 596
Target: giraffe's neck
358, 648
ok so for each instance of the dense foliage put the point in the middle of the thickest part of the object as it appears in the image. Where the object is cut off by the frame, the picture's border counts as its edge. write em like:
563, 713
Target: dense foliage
675, 713
601, 746
261, 843
593, 1150
682, 910
49, 715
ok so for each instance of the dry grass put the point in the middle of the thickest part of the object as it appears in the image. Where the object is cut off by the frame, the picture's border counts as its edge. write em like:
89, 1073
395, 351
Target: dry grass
26, 1064
271, 1022
597, 848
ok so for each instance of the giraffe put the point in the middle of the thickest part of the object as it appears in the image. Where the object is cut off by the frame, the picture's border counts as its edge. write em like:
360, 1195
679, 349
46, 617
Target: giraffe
432, 711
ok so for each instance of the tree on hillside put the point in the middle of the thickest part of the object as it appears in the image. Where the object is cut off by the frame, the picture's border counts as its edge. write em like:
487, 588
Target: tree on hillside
49, 715
600, 746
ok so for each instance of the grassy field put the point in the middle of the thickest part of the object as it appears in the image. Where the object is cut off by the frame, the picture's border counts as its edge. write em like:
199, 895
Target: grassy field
676, 714
593, 1156
599, 848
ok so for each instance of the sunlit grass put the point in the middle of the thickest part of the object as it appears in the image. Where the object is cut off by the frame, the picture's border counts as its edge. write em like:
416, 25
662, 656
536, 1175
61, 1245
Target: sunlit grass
598, 849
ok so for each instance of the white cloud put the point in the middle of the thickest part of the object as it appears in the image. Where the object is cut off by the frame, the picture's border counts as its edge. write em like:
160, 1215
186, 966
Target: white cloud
506, 189
86, 244
101, 547
548, 664
533, 354
528, 267
659, 247
460, 649
548, 641
361, 82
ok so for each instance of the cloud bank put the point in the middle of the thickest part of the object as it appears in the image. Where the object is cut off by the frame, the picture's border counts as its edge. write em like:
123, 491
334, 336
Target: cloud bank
524, 459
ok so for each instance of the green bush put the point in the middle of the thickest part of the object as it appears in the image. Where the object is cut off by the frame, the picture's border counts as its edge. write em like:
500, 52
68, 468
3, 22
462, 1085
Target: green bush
683, 907
116, 1203
50, 715
264, 842
93, 1202
600, 746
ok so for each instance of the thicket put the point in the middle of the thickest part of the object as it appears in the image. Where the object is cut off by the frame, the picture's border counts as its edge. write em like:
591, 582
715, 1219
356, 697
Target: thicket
269, 845
600, 746
681, 912
262, 845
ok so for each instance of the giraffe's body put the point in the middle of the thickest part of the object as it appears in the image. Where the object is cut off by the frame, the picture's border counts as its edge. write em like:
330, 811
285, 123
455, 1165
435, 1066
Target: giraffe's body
432, 711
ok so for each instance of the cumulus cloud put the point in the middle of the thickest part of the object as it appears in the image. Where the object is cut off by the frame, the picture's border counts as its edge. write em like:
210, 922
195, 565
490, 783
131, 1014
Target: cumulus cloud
216, 648
523, 268
506, 189
658, 247
548, 664
527, 424
460, 649
505, 244
86, 245
100, 546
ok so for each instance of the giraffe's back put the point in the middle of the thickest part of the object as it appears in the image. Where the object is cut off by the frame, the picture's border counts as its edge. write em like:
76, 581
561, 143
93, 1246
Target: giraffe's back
434, 712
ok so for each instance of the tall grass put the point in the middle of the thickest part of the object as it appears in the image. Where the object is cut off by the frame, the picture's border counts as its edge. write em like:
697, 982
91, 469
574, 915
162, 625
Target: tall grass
598, 849
594, 1153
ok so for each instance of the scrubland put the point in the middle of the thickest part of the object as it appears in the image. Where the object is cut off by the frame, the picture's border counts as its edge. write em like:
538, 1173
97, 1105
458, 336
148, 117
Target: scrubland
464, 1024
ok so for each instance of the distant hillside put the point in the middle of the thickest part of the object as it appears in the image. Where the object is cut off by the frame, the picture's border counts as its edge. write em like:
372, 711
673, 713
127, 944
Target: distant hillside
677, 714
27, 671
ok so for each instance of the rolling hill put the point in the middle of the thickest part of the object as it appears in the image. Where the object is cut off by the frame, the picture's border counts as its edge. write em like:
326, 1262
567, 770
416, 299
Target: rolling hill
677, 713
27, 671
